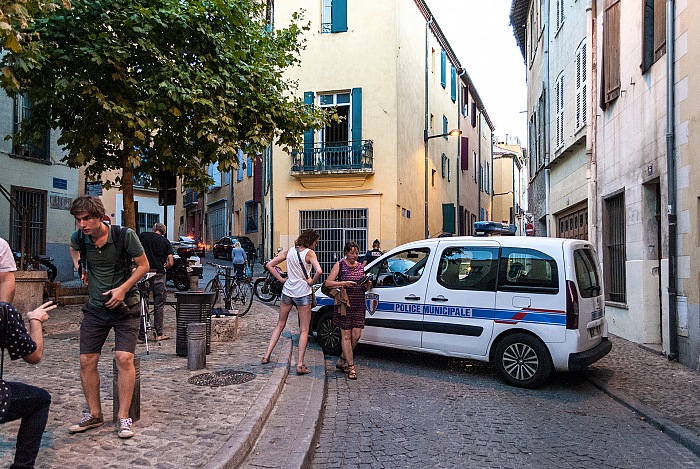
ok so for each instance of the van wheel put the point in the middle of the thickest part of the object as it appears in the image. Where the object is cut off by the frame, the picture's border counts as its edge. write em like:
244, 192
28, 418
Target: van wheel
328, 334
523, 361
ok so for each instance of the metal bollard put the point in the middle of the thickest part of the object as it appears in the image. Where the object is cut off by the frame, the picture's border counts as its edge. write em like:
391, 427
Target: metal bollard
196, 346
135, 408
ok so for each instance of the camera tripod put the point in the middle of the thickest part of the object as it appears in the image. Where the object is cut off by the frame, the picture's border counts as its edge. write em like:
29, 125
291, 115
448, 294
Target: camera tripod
146, 320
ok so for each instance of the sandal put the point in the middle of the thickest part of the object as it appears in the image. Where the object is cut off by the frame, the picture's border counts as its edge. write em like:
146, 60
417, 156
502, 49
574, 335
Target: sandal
342, 365
352, 374
303, 370
265, 361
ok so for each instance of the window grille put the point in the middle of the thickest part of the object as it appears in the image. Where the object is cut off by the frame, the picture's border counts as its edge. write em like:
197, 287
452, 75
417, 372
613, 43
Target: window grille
614, 255
336, 227
34, 201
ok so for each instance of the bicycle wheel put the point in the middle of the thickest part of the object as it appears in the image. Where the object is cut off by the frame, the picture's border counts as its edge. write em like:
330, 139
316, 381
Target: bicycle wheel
214, 286
242, 296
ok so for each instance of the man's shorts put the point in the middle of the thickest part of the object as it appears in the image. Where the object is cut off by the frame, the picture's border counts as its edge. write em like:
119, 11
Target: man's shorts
97, 323
300, 301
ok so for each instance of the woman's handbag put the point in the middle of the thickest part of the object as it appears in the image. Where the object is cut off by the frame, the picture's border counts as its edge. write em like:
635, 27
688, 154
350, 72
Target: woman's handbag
329, 291
314, 302
248, 273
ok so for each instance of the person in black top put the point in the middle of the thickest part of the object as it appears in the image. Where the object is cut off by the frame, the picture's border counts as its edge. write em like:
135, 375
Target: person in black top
373, 254
19, 400
159, 252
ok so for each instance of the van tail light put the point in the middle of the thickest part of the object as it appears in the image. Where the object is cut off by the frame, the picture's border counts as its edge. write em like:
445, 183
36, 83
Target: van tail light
571, 305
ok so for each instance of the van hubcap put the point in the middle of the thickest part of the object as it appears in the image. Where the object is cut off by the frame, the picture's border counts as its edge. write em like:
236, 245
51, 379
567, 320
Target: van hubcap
520, 361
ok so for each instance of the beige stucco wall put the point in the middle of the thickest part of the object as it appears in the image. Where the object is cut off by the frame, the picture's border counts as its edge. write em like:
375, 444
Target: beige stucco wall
388, 63
688, 141
631, 152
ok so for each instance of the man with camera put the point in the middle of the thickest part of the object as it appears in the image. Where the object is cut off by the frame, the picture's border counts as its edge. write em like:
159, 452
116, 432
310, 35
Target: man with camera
104, 264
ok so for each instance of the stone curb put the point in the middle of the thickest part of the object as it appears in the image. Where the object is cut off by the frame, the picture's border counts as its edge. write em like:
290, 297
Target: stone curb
236, 449
679, 434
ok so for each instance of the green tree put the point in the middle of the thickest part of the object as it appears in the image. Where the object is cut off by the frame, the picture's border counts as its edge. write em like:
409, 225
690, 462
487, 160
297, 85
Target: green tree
159, 85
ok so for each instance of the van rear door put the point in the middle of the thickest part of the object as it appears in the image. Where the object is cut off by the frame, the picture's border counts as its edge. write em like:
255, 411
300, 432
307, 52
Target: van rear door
591, 310
458, 313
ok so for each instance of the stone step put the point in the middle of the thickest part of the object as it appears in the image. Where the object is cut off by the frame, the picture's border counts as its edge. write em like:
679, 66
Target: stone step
73, 299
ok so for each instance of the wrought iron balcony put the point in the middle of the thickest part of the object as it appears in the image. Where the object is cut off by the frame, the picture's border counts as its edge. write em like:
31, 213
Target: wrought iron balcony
335, 157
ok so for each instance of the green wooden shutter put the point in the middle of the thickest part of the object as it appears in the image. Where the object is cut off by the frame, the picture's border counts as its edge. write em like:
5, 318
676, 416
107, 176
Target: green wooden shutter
356, 126
309, 134
443, 68
453, 83
448, 218
339, 16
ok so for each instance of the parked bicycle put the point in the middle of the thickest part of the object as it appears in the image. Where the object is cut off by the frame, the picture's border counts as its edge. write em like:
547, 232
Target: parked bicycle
230, 292
267, 288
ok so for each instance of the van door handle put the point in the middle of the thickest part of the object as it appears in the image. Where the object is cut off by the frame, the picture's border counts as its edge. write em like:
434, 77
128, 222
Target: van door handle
440, 298
412, 298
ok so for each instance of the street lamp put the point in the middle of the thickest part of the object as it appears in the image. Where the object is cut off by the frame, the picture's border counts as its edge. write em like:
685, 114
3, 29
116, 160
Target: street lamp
426, 137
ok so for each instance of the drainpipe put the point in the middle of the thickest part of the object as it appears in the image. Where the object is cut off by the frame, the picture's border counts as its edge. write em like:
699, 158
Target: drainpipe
671, 175
458, 166
547, 127
480, 175
592, 126
427, 117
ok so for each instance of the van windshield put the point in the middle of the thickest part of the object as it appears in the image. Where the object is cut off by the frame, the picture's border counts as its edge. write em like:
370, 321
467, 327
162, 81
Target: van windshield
587, 273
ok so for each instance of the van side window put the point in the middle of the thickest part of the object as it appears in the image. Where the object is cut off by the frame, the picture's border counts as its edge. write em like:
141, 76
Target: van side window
468, 268
528, 271
586, 273
401, 268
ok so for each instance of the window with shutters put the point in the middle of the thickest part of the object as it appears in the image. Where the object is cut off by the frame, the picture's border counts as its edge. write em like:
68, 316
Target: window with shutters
559, 14
559, 106
334, 16
541, 103
464, 156
445, 125
654, 37
444, 165
581, 82
443, 68
611, 52
251, 217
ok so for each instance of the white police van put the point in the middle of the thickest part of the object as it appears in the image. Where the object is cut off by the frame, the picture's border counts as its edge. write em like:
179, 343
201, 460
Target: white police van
530, 305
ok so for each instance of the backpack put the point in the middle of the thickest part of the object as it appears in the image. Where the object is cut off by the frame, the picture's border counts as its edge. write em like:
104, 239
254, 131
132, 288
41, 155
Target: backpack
118, 235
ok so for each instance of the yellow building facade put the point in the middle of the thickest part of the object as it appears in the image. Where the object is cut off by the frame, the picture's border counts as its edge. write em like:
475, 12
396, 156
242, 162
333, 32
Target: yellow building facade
386, 170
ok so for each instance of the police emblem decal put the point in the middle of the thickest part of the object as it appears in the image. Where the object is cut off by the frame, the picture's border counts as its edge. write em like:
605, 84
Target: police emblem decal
371, 302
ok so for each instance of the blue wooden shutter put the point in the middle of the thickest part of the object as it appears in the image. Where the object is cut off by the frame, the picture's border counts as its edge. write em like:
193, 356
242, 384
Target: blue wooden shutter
339, 16
448, 218
444, 127
239, 175
249, 167
453, 83
356, 126
443, 68
309, 134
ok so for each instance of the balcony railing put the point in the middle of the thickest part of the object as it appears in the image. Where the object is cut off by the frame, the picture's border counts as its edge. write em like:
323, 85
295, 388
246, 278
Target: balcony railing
334, 156
189, 197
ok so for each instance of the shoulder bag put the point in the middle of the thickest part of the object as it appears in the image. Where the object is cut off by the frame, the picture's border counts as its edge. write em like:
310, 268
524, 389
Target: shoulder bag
306, 274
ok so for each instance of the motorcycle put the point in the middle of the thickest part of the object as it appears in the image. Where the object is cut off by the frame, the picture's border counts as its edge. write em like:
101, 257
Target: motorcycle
184, 266
38, 263
267, 288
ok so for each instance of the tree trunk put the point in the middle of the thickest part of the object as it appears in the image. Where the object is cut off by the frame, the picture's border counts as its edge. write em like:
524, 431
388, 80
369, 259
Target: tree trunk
129, 218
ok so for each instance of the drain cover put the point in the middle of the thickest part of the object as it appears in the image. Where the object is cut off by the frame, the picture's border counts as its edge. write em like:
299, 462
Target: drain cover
222, 378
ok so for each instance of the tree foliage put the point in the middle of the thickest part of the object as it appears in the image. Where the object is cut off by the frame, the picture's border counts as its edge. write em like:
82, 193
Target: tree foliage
160, 85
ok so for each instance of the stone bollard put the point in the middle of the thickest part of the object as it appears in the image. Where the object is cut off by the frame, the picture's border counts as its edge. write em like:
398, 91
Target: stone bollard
135, 408
196, 346
193, 282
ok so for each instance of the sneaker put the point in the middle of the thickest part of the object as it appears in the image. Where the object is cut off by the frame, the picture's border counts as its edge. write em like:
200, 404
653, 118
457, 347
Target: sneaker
163, 337
140, 341
124, 430
87, 422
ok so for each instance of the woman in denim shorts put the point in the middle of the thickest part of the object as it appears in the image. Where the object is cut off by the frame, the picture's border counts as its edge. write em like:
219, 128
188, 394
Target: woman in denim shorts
296, 291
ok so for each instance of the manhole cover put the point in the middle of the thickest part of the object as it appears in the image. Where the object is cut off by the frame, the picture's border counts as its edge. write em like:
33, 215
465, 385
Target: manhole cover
222, 378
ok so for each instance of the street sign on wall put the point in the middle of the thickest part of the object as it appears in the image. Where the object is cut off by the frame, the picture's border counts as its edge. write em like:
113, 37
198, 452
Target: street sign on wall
529, 229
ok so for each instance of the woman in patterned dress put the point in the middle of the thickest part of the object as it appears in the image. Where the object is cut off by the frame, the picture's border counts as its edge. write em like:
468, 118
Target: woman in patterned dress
346, 273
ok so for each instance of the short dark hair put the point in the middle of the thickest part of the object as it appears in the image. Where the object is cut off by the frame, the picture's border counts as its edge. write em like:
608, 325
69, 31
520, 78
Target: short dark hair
307, 238
160, 228
349, 246
88, 204
376, 243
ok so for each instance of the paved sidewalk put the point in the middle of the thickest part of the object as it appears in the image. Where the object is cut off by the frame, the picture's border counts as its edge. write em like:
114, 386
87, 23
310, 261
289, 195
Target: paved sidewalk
664, 393
181, 425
